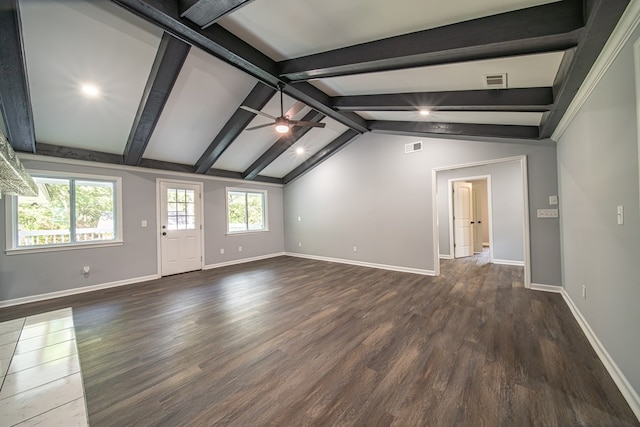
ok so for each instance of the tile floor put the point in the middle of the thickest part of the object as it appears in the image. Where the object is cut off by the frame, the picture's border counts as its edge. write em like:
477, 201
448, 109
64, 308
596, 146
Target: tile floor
41, 381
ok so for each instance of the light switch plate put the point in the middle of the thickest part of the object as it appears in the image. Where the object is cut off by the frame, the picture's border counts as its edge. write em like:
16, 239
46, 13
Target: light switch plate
547, 213
553, 200
620, 212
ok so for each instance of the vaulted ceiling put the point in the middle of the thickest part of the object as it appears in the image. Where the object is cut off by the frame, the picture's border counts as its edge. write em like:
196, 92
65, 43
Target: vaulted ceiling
173, 74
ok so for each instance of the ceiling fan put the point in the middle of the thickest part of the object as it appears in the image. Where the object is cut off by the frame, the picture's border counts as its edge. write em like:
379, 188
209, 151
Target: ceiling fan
282, 122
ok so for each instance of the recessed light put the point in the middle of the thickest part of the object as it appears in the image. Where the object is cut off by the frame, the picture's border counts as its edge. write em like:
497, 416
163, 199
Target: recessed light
424, 112
300, 150
90, 90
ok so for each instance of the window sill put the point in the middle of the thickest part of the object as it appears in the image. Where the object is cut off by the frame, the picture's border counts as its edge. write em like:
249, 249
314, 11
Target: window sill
236, 233
69, 247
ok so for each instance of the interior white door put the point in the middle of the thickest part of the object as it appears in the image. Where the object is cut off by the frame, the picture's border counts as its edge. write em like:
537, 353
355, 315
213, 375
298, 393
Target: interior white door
462, 218
180, 227
477, 219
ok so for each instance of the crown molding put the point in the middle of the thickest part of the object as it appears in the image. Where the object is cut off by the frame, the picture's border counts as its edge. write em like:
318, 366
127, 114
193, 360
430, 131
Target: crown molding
621, 34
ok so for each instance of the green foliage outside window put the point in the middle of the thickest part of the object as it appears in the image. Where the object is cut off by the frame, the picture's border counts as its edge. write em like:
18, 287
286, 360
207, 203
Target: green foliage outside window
246, 211
48, 218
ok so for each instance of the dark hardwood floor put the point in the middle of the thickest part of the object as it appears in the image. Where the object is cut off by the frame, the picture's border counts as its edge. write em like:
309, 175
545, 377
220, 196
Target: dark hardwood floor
293, 342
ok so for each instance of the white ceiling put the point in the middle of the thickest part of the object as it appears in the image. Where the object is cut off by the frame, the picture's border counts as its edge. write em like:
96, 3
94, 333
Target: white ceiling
205, 95
115, 51
476, 117
522, 71
68, 42
304, 27
311, 143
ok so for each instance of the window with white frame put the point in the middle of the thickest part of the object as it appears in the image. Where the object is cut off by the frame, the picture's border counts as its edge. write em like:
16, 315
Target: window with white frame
246, 210
67, 211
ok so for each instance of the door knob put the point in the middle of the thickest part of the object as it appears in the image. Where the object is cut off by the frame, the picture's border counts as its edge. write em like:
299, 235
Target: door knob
164, 233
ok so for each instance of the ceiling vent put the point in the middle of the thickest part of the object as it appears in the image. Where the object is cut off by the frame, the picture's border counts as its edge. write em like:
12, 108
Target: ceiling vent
412, 147
495, 81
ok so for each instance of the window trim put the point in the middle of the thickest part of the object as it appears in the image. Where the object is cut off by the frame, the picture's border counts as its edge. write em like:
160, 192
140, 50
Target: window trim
265, 209
11, 206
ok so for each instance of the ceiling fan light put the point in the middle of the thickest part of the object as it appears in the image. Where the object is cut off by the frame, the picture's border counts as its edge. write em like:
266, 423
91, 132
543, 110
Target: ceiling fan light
282, 128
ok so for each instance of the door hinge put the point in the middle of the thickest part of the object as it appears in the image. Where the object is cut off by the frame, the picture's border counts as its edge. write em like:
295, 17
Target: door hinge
200, 226
454, 245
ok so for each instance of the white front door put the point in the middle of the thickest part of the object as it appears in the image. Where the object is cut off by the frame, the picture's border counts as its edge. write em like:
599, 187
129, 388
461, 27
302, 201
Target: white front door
462, 218
180, 227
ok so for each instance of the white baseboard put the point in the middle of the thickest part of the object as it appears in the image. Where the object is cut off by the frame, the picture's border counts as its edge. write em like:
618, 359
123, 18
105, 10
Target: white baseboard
242, 261
546, 288
445, 256
364, 264
75, 291
630, 395
508, 262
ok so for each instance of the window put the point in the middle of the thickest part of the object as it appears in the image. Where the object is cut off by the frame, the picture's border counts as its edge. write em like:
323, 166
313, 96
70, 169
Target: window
246, 210
67, 211
181, 209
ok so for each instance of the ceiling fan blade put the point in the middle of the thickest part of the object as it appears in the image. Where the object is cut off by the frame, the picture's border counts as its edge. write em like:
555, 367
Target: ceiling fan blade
258, 127
310, 124
251, 110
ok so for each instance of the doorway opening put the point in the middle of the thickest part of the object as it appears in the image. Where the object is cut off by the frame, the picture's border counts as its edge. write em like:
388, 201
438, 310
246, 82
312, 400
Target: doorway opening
470, 219
514, 240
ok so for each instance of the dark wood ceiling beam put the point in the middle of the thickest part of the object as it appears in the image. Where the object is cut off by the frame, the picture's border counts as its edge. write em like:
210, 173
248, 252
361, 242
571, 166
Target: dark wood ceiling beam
180, 167
526, 99
169, 59
238, 175
329, 150
207, 12
115, 159
15, 101
603, 17
550, 27
281, 145
461, 130
77, 154
224, 45
257, 99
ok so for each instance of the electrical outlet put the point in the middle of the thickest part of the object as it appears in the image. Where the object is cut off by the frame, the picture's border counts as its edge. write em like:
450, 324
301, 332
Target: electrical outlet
553, 200
299, 218
584, 291
239, 248
143, 223
355, 249
86, 269
222, 251
299, 244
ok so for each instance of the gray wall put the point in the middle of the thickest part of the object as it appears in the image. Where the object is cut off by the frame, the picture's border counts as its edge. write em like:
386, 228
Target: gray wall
372, 195
507, 208
598, 170
23, 275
